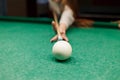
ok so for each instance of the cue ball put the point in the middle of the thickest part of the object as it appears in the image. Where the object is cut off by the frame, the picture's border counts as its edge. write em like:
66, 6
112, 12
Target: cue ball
62, 50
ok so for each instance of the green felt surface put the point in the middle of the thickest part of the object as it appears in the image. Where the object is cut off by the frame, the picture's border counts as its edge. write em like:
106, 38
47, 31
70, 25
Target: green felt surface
25, 53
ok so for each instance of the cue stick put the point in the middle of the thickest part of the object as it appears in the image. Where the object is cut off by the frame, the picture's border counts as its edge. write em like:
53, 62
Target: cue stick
57, 26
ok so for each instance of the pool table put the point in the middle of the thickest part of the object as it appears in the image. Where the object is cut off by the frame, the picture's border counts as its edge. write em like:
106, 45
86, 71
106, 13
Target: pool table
26, 52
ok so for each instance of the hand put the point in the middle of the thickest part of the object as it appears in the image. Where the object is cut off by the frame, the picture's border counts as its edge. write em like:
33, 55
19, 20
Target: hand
62, 32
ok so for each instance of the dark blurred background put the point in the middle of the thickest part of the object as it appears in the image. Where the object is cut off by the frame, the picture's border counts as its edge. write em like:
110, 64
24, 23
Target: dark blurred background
95, 9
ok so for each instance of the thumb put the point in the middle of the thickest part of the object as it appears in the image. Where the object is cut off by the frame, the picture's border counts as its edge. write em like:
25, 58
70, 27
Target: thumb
54, 38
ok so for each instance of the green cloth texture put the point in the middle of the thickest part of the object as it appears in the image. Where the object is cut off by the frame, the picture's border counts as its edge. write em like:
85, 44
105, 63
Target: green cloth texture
26, 53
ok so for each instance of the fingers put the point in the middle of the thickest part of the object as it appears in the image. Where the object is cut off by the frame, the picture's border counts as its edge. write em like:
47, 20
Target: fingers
54, 38
65, 38
62, 32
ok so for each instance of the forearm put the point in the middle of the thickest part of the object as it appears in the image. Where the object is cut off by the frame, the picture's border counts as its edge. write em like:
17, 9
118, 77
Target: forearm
67, 17
63, 28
